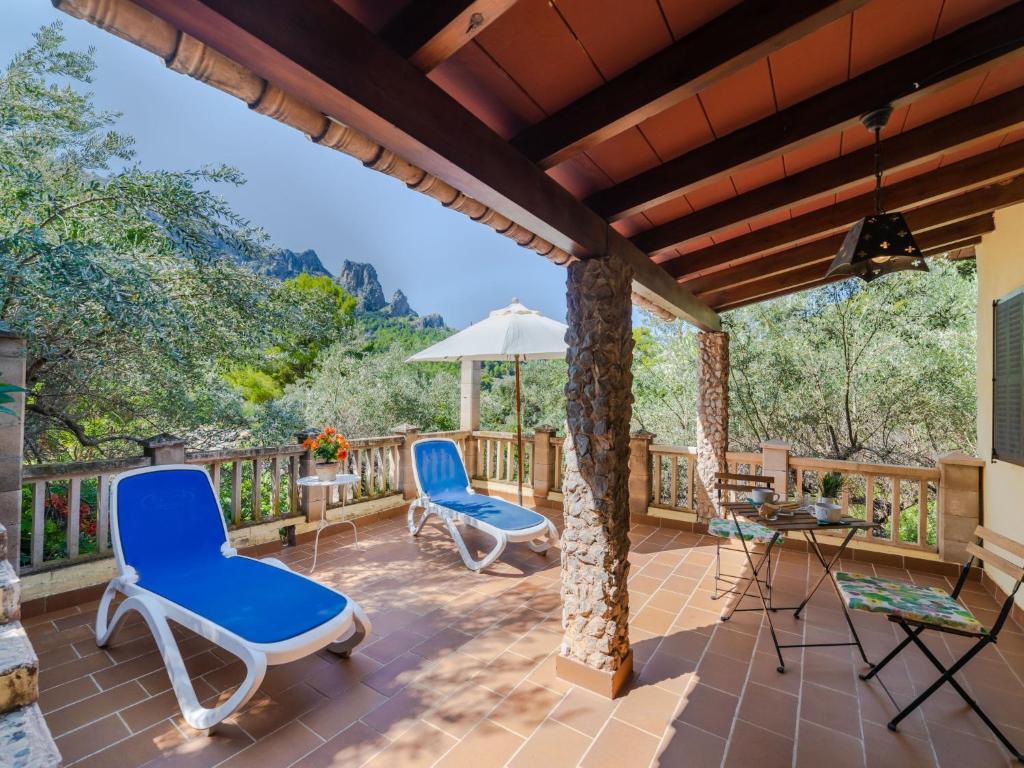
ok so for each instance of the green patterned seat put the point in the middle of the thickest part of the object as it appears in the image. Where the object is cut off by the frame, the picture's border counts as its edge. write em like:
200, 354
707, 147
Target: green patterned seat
748, 530
928, 605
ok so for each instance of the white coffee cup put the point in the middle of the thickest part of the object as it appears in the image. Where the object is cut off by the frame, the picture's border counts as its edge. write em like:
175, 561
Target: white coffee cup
764, 495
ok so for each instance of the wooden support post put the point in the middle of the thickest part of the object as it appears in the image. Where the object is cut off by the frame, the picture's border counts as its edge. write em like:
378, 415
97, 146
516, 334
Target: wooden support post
640, 473
959, 507
775, 464
542, 468
311, 499
409, 434
12, 438
164, 449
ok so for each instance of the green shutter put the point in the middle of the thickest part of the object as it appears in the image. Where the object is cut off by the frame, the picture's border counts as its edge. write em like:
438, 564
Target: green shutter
1008, 379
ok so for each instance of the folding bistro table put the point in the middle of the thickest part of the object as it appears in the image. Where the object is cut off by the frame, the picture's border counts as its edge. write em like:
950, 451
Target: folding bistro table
806, 523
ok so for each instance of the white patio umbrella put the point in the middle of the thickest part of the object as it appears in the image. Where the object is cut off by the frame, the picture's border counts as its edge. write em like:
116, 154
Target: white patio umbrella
513, 333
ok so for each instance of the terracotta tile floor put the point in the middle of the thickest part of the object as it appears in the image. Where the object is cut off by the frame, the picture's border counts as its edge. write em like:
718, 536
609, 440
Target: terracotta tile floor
460, 672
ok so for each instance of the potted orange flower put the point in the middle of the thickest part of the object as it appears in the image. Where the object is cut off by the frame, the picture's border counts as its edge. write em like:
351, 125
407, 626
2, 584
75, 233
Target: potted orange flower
330, 449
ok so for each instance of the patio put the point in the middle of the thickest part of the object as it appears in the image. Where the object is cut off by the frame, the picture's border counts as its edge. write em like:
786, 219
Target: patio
460, 671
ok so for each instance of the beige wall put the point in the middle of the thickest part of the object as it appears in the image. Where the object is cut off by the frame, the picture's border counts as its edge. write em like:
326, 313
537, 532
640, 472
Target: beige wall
1000, 270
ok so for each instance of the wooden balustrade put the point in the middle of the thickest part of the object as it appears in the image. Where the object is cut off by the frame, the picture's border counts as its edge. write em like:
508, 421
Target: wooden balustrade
903, 501
673, 474
375, 460
254, 485
497, 457
558, 462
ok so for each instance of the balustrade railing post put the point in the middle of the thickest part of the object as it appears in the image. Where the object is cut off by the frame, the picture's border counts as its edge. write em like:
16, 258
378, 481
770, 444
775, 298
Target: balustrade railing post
775, 463
640, 493
311, 500
12, 438
959, 504
542, 467
164, 449
407, 481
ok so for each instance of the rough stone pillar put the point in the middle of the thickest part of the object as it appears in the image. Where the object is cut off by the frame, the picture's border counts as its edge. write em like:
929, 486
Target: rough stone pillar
775, 463
311, 500
542, 472
164, 449
959, 506
640, 472
12, 438
595, 650
712, 416
469, 395
409, 434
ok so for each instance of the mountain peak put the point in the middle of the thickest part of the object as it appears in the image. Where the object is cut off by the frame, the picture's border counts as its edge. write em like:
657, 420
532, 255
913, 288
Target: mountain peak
360, 280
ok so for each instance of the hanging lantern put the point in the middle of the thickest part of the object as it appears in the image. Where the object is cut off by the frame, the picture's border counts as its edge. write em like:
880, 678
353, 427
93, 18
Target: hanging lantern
880, 243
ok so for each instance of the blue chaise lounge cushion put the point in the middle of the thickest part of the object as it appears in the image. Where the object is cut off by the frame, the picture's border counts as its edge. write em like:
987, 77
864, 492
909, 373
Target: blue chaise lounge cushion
497, 512
170, 530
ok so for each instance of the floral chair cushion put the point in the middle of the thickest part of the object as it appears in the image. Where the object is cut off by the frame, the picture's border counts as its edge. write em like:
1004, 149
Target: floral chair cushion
748, 530
928, 605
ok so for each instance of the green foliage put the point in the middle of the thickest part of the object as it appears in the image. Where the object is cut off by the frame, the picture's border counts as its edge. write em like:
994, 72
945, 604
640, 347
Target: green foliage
878, 373
543, 396
113, 274
832, 485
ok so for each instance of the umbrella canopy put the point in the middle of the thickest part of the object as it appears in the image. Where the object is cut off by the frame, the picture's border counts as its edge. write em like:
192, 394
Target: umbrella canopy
512, 333
505, 334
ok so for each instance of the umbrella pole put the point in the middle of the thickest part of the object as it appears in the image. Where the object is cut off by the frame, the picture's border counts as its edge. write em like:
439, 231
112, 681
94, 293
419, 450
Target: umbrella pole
519, 431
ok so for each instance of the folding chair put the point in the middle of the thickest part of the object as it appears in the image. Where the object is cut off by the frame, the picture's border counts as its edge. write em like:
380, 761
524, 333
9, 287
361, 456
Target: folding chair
917, 608
749, 530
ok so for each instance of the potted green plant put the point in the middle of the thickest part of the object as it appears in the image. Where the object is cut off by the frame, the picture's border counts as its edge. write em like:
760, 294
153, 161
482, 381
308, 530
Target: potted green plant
825, 508
329, 448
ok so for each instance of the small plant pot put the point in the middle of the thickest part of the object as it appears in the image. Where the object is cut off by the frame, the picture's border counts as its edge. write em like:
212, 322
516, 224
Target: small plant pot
327, 472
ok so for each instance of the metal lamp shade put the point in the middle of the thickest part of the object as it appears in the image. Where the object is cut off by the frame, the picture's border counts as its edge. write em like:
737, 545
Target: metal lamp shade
877, 245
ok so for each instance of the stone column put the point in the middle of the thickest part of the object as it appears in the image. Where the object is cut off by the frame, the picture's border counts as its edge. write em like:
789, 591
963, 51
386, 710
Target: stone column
712, 417
595, 650
409, 434
542, 473
640, 472
164, 449
12, 439
775, 463
959, 505
311, 500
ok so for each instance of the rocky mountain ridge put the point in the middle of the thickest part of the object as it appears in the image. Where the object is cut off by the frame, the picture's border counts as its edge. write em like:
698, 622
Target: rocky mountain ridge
357, 278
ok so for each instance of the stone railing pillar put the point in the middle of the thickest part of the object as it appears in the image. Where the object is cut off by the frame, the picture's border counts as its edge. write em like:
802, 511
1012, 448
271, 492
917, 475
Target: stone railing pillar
712, 417
12, 439
311, 500
595, 651
542, 471
164, 449
775, 464
959, 506
407, 480
469, 395
640, 472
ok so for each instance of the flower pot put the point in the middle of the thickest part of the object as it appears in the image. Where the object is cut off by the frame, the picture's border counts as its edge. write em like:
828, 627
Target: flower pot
327, 472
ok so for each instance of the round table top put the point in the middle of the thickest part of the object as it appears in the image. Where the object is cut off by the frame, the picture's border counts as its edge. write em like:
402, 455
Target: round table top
339, 479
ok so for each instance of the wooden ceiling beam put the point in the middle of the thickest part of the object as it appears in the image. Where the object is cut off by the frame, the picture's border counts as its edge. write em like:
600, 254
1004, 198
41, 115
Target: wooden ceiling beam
967, 242
315, 51
948, 60
811, 272
726, 44
428, 32
971, 172
931, 140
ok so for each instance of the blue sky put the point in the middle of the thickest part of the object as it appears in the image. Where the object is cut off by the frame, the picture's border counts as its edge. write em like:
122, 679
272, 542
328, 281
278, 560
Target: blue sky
303, 195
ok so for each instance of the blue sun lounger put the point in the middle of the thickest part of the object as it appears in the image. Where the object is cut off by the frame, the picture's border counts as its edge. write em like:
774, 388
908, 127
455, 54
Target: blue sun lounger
444, 490
175, 562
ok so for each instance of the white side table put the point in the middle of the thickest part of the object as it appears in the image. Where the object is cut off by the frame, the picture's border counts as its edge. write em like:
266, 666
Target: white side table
343, 482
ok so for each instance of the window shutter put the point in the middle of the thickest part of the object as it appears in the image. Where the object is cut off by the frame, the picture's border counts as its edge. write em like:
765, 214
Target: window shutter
1008, 379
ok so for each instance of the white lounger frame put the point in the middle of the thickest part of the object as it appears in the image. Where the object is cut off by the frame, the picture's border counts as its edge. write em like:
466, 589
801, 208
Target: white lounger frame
452, 519
341, 635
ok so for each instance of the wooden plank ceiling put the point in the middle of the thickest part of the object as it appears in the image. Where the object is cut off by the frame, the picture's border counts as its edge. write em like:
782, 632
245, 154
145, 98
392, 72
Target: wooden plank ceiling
721, 138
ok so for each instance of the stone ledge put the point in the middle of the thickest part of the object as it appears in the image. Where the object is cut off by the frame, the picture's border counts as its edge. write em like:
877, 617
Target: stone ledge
10, 592
19, 669
25, 741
